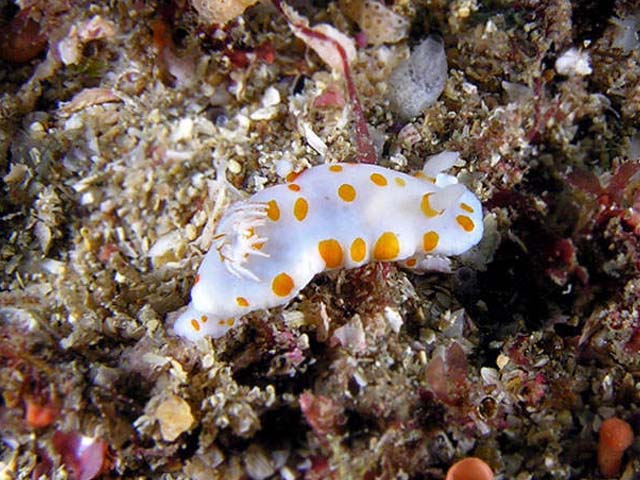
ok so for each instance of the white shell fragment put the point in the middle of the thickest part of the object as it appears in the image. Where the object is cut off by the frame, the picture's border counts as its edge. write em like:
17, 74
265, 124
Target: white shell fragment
417, 82
573, 62
174, 416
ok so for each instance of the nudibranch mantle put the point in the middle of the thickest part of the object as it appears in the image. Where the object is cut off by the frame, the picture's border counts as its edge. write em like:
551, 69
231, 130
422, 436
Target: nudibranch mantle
267, 248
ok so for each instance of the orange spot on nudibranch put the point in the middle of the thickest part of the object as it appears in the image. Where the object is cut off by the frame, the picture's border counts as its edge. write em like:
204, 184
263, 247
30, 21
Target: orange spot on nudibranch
335, 168
411, 262
422, 176
230, 322
430, 241
221, 322
400, 182
465, 222
195, 325
273, 211
293, 176
204, 319
331, 252
358, 250
300, 209
197, 279
387, 247
426, 208
282, 284
346, 192
379, 179
294, 187
242, 302
466, 208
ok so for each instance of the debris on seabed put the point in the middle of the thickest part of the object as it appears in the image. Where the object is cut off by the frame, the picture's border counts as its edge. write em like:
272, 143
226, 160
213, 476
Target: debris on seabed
128, 128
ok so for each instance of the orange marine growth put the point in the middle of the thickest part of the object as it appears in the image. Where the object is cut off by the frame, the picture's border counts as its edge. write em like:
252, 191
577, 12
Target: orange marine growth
616, 436
39, 414
471, 468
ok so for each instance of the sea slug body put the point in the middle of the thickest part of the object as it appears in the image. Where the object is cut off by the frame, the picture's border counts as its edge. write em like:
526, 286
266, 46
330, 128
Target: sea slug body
268, 247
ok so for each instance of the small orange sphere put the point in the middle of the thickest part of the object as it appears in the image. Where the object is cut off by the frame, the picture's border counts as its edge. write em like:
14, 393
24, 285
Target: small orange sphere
471, 468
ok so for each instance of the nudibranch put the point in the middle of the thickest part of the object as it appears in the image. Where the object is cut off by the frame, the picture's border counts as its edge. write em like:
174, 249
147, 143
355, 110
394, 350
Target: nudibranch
267, 248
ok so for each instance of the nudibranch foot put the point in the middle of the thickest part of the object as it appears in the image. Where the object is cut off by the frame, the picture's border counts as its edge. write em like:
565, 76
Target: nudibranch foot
428, 263
195, 324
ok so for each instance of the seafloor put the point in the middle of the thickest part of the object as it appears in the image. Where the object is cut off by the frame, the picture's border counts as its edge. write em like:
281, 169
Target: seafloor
126, 130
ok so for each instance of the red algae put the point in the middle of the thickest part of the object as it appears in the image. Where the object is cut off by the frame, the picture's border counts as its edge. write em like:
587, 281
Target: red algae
84, 457
322, 413
22, 40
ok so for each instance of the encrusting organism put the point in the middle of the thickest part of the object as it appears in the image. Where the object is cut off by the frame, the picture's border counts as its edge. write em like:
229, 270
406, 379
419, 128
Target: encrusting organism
616, 436
470, 468
267, 248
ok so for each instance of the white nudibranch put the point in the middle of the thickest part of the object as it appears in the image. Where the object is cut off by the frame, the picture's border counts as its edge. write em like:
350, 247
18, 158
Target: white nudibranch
268, 247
